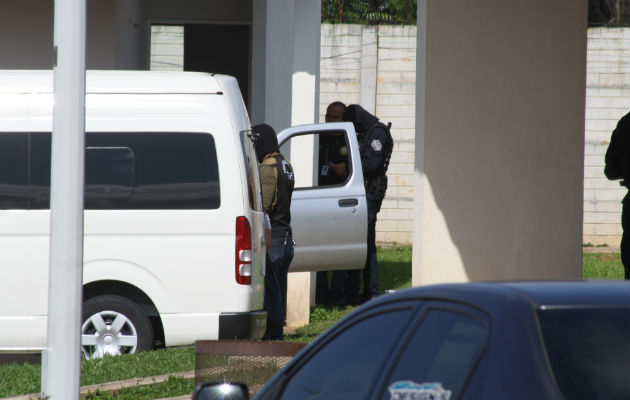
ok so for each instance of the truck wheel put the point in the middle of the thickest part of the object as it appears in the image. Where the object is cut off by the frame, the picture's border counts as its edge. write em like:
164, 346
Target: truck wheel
113, 325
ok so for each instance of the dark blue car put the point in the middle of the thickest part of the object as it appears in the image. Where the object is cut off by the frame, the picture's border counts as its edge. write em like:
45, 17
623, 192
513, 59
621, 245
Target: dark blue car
522, 340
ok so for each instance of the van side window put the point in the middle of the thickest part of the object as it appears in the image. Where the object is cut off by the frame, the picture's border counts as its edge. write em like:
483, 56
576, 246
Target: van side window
137, 170
13, 171
108, 175
171, 170
39, 171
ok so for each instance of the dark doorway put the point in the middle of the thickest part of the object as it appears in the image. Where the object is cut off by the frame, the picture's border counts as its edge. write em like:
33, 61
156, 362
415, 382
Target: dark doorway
222, 49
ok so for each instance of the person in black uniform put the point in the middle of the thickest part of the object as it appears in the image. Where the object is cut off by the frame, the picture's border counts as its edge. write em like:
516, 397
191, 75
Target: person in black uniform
375, 146
333, 150
333, 159
618, 167
277, 182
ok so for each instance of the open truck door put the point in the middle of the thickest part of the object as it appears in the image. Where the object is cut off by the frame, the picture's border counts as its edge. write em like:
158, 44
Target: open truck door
328, 216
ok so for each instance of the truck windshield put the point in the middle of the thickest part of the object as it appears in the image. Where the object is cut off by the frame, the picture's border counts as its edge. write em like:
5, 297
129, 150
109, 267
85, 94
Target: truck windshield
589, 351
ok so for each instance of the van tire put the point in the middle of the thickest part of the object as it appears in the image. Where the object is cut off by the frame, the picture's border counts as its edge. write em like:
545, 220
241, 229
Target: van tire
113, 325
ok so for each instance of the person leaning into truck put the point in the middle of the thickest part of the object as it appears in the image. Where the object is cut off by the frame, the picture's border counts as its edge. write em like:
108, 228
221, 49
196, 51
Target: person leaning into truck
277, 182
375, 146
618, 167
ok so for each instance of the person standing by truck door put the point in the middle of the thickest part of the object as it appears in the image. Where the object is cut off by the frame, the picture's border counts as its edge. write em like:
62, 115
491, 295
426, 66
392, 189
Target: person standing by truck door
618, 167
333, 170
375, 146
277, 182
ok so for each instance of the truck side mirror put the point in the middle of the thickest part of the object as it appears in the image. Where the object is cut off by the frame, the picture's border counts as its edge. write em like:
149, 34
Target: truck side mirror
221, 391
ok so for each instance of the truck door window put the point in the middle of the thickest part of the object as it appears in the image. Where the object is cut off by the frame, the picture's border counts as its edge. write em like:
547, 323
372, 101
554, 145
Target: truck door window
329, 164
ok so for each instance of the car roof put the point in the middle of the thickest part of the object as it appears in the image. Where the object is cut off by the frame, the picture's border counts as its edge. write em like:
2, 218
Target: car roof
539, 294
41, 81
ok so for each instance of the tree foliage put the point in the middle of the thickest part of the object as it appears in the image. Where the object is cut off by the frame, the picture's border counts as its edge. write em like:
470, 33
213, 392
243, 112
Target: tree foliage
609, 13
372, 12
369, 12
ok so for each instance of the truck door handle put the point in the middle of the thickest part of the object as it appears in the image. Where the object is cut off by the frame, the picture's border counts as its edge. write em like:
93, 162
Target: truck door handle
348, 203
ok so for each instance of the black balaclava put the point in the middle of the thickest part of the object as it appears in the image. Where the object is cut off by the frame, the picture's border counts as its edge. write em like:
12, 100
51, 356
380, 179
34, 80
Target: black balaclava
361, 119
266, 142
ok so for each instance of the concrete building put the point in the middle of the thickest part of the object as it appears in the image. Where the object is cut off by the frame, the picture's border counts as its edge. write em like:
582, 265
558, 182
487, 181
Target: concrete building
499, 88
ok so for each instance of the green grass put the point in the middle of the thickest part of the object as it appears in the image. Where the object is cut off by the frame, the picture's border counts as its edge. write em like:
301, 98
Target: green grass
394, 273
19, 379
394, 267
137, 365
23, 379
321, 319
602, 266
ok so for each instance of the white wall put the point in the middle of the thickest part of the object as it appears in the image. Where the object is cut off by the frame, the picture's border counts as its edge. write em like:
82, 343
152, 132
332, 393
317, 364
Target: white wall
375, 67
607, 100
499, 139
343, 65
167, 48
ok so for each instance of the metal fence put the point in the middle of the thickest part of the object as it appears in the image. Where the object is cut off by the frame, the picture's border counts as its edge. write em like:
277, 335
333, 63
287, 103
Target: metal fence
251, 363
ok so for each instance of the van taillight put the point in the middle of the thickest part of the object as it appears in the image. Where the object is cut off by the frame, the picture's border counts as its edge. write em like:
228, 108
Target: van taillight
243, 251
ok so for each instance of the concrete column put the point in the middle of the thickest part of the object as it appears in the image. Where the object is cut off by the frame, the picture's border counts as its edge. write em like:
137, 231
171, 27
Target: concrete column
272, 62
131, 32
285, 92
499, 139
306, 55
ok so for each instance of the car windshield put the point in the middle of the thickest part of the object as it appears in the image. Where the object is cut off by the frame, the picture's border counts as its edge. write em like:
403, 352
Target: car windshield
589, 351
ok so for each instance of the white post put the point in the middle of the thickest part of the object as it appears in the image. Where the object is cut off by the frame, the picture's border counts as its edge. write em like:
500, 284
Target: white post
61, 362
304, 110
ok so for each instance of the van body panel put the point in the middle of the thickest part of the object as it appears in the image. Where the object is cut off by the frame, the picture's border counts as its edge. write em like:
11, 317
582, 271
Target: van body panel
249, 297
158, 82
23, 333
183, 260
329, 234
181, 327
24, 244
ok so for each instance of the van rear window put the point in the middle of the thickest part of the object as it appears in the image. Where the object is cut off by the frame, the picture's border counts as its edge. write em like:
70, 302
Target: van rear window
135, 170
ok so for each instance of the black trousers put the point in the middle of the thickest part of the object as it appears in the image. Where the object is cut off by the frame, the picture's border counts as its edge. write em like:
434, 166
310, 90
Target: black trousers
625, 239
370, 272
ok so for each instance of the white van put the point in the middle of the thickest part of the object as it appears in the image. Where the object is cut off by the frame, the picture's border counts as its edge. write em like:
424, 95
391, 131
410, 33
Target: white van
173, 247
173, 241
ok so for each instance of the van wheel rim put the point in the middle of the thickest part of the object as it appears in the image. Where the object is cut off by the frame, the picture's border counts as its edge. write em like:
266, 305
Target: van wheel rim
108, 333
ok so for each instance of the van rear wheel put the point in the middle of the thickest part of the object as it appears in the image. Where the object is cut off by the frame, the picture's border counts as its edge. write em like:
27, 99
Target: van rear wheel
113, 325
